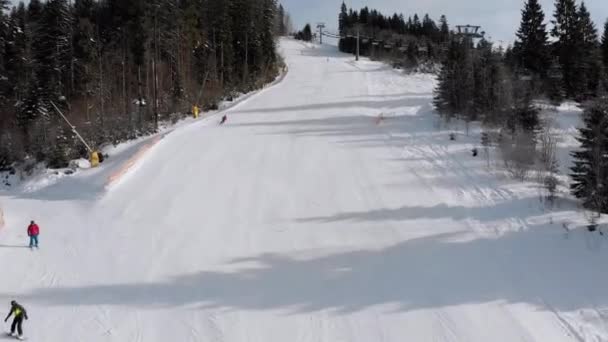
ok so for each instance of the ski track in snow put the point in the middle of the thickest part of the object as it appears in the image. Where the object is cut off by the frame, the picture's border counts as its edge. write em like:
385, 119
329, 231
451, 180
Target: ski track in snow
329, 208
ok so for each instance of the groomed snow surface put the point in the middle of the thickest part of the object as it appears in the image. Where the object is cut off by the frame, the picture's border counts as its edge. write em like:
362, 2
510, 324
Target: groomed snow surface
306, 218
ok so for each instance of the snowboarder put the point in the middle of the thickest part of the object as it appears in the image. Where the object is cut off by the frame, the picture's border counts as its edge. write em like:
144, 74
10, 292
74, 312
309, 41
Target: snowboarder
224, 118
18, 312
33, 231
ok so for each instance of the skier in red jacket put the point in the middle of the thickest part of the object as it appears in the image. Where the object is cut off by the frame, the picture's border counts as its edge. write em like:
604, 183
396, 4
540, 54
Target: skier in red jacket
33, 231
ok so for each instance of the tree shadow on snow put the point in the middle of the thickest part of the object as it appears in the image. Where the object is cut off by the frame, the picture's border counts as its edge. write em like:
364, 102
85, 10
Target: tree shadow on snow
356, 130
405, 101
528, 267
14, 246
498, 212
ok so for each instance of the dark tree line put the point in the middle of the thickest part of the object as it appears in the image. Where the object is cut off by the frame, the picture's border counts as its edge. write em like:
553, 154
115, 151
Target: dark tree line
393, 37
571, 67
104, 62
499, 88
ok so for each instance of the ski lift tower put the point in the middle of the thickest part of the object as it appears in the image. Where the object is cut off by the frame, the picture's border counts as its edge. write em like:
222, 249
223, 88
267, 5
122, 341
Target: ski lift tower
321, 26
469, 32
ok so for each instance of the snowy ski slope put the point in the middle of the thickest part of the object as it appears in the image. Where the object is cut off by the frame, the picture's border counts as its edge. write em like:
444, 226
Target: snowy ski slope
308, 219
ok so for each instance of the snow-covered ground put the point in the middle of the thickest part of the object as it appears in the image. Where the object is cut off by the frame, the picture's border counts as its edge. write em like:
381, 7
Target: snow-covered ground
305, 218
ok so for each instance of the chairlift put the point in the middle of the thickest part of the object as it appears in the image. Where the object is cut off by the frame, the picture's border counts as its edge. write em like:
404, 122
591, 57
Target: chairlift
470, 31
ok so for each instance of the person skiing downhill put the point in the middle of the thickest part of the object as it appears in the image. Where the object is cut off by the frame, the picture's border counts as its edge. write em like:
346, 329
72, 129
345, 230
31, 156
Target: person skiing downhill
33, 231
224, 119
18, 312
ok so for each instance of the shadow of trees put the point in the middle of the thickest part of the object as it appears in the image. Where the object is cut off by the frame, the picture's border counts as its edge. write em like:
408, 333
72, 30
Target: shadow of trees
437, 271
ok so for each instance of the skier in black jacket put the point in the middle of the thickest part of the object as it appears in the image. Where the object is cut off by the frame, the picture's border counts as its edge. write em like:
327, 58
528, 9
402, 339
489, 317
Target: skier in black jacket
19, 314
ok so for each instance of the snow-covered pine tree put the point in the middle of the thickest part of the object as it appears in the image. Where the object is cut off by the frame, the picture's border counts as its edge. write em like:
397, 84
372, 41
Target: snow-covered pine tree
590, 170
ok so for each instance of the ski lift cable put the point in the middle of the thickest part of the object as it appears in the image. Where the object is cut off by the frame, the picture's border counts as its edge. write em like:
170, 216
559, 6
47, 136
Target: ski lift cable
331, 35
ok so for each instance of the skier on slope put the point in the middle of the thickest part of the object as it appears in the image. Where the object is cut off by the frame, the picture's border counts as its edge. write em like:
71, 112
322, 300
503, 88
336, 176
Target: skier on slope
33, 231
224, 118
19, 314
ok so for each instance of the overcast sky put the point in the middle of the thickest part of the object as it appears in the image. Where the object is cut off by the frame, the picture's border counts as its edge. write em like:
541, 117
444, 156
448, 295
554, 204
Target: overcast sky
499, 18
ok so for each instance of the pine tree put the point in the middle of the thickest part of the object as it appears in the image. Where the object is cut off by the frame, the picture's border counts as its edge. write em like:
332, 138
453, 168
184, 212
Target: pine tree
429, 28
51, 46
416, 25
588, 62
343, 20
282, 31
444, 29
483, 99
444, 92
590, 170
307, 33
566, 31
454, 95
3, 28
412, 54
402, 28
267, 43
532, 48
34, 12
605, 46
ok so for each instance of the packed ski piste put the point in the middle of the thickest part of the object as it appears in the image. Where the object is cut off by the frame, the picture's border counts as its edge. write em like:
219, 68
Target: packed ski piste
336, 201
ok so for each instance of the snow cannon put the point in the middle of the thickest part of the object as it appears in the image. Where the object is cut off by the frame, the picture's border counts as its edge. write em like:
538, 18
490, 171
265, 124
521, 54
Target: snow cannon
95, 159
195, 111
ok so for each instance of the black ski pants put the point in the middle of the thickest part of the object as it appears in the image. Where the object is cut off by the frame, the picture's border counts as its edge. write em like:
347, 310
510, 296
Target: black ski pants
17, 323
